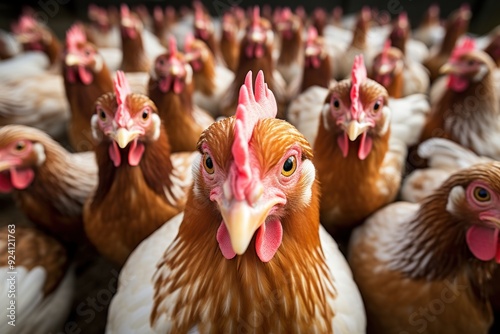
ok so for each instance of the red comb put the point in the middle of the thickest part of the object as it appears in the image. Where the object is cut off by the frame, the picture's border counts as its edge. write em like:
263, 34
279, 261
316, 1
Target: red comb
74, 37
312, 34
172, 47
25, 22
468, 44
122, 89
256, 17
286, 13
252, 107
124, 10
188, 43
358, 76
385, 52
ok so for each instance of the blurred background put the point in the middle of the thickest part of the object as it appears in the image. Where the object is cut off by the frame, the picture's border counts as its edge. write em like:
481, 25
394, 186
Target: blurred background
59, 14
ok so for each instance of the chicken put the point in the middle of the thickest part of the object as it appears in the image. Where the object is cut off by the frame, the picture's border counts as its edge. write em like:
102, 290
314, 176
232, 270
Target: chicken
444, 158
140, 47
101, 31
253, 175
171, 89
256, 51
457, 24
430, 30
401, 258
136, 171
37, 282
359, 45
398, 74
204, 29
211, 80
493, 47
49, 184
9, 46
45, 107
317, 62
230, 41
163, 23
35, 36
414, 50
291, 59
354, 152
86, 77
467, 112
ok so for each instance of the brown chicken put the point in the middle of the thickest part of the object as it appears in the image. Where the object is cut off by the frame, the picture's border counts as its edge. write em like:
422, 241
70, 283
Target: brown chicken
430, 31
468, 109
134, 57
354, 152
86, 77
427, 268
211, 80
249, 242
49, 184
141, 184
37, 265
171, 89
457, 24
317, 63
35, 36
291, 56
204, 29
256, 51
230, 41
399, 75
101, 30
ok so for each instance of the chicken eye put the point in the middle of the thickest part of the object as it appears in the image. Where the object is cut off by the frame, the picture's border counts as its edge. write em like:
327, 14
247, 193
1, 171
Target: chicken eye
377, 105
481, 194
20, 145
145, 114
87, 52
208, 164
161, 61
101, 113
289, 166
336, 103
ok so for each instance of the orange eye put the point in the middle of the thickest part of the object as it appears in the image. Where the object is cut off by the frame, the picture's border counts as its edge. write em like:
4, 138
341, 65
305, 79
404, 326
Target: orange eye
481, 194
20, 145
208, 164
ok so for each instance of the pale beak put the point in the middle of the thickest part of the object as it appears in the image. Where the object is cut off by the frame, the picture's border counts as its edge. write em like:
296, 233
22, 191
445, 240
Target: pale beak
494, 221
447, 69
384, 69
310, 51
127, 23
257, 37
72, 60
242, 220
355, 128
4, 165
174, 70
123, 136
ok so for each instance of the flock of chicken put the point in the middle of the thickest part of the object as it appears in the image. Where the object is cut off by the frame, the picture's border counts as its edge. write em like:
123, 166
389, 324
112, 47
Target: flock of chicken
216, 160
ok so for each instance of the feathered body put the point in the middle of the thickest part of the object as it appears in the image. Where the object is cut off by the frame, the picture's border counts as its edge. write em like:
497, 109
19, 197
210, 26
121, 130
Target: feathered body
430, 31
297, 284
401, 258
49, 184
230, 41
42, 273
136, 170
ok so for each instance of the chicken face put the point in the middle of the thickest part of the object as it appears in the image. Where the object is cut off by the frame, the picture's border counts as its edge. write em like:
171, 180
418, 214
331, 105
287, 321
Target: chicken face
315, 51
81, 58
466, 68
127, 120
259, 180
203, 26
386, 65
31, 34
196, 53
357, 109
130, 23
478, 199
171, 71
259, 36
287, 24
19, 157
99, 18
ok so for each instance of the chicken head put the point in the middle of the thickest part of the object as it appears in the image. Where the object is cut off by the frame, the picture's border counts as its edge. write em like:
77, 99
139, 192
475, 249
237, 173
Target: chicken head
171, 70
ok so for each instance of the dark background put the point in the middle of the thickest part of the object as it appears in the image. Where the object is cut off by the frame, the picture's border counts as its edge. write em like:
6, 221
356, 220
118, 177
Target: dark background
61, 13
